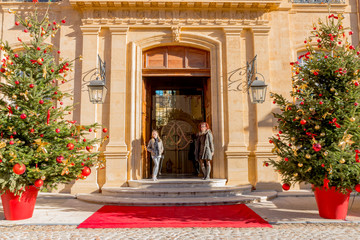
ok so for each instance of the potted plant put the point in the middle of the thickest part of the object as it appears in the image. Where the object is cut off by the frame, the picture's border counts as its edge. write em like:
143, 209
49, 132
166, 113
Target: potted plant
38, 146
318, 132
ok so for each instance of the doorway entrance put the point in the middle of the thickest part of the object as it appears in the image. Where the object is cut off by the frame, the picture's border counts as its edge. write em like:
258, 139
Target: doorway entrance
176, 98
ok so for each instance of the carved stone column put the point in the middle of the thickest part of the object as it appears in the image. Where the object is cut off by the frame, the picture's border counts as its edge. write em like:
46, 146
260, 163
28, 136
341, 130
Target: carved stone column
266, 177
116, 151
88, 109
236, 152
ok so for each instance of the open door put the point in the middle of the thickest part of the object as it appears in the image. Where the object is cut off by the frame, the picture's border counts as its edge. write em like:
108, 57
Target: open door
146, 129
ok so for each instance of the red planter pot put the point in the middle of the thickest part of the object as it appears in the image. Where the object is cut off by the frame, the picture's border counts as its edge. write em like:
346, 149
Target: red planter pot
18, 210
331, 203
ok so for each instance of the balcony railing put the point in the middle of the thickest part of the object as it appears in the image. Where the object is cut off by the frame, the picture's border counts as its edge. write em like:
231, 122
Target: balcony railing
318, 1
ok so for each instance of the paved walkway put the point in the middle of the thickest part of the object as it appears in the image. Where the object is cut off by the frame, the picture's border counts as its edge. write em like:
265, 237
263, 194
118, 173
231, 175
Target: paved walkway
293, 217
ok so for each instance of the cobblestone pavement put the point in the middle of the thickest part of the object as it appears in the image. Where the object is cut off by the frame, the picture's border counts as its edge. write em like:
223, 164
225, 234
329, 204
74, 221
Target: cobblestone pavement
282, 231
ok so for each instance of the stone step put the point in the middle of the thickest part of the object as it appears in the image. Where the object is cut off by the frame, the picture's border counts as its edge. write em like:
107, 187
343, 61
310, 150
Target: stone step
177, 183
193, 201
183, 192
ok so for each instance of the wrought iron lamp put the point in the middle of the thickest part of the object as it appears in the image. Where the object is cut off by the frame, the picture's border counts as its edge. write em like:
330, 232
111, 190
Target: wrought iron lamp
258, 91
97, 88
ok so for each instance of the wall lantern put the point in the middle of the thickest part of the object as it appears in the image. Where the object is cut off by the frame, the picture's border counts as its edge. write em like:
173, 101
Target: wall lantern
258, 91
97, 87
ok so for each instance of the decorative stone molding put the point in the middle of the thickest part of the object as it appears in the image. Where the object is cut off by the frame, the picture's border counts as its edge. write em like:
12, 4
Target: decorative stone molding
176, 33
190, 12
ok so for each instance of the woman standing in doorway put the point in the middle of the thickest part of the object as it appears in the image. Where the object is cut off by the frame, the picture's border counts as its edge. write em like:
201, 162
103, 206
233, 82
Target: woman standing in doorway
156, 148
204, 149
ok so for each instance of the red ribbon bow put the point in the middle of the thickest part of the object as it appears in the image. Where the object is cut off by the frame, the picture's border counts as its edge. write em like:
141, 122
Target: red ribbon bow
326, 183
357, 155
10, 111
334, 121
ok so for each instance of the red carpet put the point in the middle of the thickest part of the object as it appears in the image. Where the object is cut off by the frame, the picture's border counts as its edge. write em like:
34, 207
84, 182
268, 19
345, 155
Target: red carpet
237, 216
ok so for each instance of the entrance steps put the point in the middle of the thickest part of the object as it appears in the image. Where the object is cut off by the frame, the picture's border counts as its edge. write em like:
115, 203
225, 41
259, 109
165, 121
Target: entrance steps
176, 192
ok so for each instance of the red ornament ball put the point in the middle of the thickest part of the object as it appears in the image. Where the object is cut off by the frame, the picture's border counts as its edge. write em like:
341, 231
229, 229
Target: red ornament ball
23, 116
38, 48
31, 85
11, 142
286, 159
84, 140
63, 21
59, 159
32, 130
17, 23
90, 130
38, 183
321, 102
86, 171
17, 82
70, 146
286, 186
356, 104
104, 130
0, 160
16, 55
2, 70
57, 130
317, 147
303, 122
41, 101
356, 83
19, 169
41, 135
61, 103
357, 188
89, 148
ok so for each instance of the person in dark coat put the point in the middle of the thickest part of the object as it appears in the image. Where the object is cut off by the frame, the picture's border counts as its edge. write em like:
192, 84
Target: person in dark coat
156, 148
204, 149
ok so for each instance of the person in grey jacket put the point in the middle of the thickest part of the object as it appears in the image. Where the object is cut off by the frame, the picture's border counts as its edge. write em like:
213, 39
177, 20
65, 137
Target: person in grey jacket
156, 148
204, 149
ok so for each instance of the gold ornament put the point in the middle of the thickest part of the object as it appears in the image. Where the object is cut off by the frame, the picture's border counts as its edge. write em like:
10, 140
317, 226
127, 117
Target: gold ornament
39, 60
300, 164
295, 174
25, 95
31, 35
52, 35
43, 32
2, 144
342, 160
317, 127
297, 117
326, 153
312, 109
308, 156
322, 134
43, 178
46, 159
14, 96
309, 169
352, 119
41, 146
293, 139
332, 89
346, 140
336, 94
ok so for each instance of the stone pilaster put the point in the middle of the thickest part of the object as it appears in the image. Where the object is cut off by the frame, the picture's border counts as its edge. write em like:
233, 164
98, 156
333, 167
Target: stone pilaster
266, 177
236, 151
117, 151
88, 109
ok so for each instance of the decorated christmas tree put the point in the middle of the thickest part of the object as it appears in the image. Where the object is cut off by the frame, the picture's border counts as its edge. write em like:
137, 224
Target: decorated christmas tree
38, 146
318, 140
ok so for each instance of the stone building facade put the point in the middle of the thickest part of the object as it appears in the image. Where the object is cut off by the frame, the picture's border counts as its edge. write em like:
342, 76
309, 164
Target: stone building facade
171, 64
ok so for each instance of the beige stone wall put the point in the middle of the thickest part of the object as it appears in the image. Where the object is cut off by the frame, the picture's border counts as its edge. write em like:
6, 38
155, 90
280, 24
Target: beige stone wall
233, 34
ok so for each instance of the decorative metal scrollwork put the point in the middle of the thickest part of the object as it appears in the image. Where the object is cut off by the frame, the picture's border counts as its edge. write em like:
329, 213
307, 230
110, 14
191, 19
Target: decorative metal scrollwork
177, 135
240, 79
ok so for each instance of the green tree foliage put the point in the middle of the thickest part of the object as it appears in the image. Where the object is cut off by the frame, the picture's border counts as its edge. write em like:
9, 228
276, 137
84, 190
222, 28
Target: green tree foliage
32, 126
319, 132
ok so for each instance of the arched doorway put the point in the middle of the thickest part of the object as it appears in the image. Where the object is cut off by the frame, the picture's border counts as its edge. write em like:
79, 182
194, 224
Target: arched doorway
176, 97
